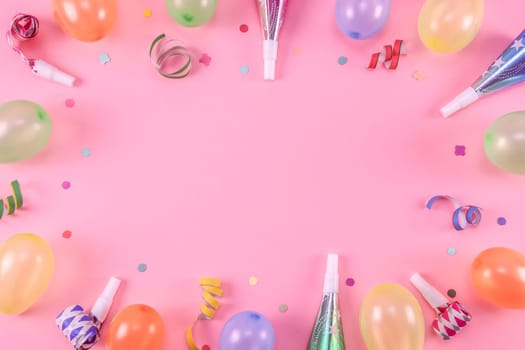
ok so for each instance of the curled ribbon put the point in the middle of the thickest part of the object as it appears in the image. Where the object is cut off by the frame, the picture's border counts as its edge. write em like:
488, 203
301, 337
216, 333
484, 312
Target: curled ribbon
12, 202
211, 290
389, 55
80, 328
163, 50
463, 215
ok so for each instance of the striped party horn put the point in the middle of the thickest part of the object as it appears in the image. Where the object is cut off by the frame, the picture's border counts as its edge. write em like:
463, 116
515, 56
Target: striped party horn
82, 329
450, 317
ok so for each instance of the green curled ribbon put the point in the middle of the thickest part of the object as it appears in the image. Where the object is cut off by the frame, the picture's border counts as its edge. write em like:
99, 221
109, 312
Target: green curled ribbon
161, 56
12, 202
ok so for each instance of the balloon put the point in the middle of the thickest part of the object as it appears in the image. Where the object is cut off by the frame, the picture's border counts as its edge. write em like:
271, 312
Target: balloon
505, 142
247, 330
25, 128
191, 13
391, 319
136, 327
498, 277
86, 20
447, 26
361, 19
26, 267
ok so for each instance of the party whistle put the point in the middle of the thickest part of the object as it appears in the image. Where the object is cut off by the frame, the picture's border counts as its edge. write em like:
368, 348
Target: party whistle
451, 317
82, 329
50, 72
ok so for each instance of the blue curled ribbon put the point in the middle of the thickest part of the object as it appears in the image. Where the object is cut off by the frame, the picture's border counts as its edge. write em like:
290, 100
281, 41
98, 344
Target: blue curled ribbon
463, 215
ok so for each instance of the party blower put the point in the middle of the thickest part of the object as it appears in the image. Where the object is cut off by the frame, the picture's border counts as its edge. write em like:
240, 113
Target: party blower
327, 333
83, 329
451, 317
507, 70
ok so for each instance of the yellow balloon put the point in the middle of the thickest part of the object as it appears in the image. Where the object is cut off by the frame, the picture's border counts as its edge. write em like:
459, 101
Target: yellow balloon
391, 319
26, 267
447, 26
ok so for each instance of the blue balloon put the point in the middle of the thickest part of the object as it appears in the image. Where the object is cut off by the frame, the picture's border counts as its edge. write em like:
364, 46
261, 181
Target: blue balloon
361, 19
247, 330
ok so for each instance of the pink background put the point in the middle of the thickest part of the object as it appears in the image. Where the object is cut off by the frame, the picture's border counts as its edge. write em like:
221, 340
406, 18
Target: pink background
226, 175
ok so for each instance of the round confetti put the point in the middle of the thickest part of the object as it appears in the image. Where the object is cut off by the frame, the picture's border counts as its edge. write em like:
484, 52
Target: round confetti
66, 234
205, 347
418, 75
283, 308
342, 60
350, 281
245, 69
66, 185
243, 28
147, 13
297, 51
86, 152
502, 221
142, 267
252, 281
459, 150
451, 251
70, 103
451, 293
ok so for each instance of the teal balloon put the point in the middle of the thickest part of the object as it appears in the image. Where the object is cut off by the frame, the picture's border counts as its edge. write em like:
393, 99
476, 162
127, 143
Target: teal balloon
25, 129
505, 142
191, 13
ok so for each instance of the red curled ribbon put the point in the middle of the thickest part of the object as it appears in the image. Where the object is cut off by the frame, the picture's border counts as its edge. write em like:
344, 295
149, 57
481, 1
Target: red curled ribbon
389, 55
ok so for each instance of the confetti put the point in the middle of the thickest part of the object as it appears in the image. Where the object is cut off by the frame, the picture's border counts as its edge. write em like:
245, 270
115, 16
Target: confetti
342, 60
297, 51
350, 282
70, 103
245, 69
252, 281
66, 234
283, 308
451, 293
205, 347
211, 290
459, 150
389, 55
205, 59
86, 152
451, 251
418, 75
66, 185
502, 221
147, 13
104, 58
142, 267
12, 202
243, 28
162, 51
462, 215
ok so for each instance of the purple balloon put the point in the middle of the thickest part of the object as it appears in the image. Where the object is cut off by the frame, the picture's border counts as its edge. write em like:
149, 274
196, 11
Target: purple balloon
247, 330
361, 19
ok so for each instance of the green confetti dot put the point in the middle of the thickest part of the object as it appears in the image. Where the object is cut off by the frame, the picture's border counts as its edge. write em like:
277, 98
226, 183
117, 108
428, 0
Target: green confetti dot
142, 267
451, 251
342, 60
451, 293
283, 308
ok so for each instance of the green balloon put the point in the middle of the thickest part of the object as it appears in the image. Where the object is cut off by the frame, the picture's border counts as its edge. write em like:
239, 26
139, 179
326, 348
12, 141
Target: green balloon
191, 13
25, 128
505, 142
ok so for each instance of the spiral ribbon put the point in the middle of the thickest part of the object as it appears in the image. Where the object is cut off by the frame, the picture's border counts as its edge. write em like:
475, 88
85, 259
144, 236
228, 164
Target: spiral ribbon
163, 50
22, 27
463, 215
389, 55
451, 318
211, 290
13, 202
81, 329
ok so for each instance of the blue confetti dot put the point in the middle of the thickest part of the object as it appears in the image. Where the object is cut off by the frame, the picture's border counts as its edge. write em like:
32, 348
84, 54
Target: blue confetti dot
86, 152
142, 267
245, 69
342, 60
502, 221
451, 251
104, 58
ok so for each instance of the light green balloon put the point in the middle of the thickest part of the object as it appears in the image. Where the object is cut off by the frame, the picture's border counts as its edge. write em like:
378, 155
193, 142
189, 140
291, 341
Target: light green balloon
505, 142
191, 13
25, 128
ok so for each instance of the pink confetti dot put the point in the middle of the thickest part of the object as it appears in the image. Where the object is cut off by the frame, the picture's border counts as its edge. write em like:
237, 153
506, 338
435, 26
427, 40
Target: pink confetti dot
243, 28
66, 234
350, 282
205, 59
205, 347
459, 150
66, 185
70, 103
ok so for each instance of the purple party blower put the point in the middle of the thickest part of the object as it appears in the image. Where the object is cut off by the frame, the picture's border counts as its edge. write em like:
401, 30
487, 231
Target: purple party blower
83, 329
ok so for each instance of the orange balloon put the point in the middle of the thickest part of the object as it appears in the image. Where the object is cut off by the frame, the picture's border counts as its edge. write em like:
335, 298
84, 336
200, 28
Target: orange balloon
136, 327
86, 20
498, 275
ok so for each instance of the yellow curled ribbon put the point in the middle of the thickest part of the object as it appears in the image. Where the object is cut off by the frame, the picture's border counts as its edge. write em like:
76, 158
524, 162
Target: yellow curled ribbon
12, 202
211, 289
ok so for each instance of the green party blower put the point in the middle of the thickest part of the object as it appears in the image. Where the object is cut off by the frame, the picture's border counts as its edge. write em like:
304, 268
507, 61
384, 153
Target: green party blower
327, 333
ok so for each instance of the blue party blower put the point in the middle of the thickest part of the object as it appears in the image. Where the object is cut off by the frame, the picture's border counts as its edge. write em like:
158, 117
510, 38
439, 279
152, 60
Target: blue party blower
82, 329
